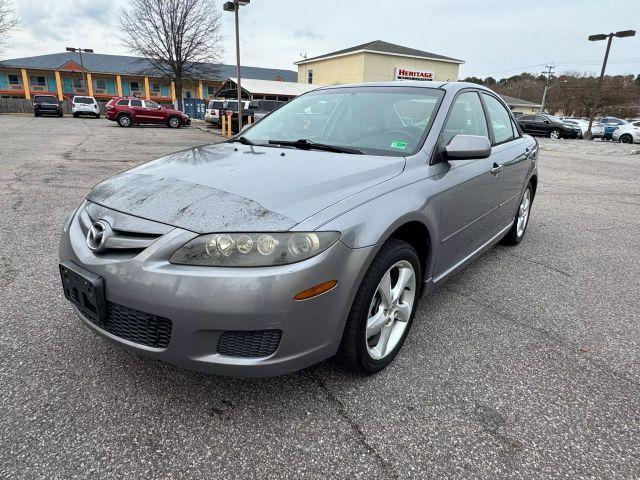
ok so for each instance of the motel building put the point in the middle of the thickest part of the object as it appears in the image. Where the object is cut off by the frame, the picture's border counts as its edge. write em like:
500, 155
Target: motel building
105, 76
377, 61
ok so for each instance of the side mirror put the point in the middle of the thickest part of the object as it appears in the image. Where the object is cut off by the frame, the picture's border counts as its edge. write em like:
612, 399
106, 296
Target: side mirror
546, 121
467, 147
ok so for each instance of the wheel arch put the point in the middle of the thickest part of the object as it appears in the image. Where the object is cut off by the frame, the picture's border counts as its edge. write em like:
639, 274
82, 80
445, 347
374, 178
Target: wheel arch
416, 234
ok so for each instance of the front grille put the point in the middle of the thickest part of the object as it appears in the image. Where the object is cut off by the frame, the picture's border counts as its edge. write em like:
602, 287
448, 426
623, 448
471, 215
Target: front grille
135, 326
258, 343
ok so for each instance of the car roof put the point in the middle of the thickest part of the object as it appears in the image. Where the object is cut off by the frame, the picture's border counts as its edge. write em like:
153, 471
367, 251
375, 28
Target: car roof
448, 86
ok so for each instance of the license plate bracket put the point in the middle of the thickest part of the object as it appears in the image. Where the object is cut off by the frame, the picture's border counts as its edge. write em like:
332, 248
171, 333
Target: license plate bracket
85, 290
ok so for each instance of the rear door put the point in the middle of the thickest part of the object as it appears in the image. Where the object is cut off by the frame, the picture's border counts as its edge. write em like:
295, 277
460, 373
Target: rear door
138, 111
525, 122
471, 190
514, 152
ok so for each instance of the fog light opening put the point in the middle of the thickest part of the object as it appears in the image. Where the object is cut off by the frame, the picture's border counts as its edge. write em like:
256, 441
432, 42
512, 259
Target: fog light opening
315, 291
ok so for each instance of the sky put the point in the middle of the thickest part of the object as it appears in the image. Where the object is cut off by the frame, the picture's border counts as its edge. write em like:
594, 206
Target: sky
496, 38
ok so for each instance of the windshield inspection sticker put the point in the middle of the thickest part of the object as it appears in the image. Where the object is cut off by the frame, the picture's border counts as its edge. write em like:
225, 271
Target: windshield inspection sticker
399, 145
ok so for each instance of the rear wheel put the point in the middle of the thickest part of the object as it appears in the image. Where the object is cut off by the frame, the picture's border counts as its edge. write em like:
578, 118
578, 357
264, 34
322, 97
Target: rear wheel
75, 115
555, 134
626, 138
173, 122
383, 309
519, 227
124, 121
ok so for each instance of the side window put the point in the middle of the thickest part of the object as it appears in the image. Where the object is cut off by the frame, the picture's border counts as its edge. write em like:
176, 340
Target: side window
150, 104
499, 119
465, 118
123, 103
525, 118
136, 103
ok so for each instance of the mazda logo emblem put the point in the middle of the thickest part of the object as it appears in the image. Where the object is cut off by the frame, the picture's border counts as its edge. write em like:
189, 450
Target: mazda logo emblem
97, 235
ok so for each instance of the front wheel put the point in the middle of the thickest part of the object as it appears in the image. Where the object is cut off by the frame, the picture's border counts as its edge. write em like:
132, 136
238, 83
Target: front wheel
626, 138
519, 227
383, 309
174, 122
555, 134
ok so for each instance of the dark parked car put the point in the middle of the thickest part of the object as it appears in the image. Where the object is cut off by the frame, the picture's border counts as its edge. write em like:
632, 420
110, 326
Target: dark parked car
548, 126
232, 106
262, 108
46, 105
135, 111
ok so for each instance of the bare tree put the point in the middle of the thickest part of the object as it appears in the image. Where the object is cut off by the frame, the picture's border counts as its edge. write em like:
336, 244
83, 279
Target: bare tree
8, 20
179, 38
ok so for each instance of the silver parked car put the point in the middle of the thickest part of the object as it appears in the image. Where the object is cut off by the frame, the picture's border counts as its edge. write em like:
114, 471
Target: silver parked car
313, 233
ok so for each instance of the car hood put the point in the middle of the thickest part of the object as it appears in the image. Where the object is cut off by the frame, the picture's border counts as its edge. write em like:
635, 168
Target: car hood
233, 187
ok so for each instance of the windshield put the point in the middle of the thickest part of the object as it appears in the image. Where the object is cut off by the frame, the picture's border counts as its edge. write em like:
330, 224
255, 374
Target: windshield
374, 120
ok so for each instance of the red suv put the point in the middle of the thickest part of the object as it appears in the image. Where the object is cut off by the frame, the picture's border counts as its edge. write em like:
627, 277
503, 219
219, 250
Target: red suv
135, 111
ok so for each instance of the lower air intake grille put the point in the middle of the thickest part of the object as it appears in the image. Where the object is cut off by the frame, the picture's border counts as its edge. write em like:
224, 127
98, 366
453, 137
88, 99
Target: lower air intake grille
136, 326
259, 343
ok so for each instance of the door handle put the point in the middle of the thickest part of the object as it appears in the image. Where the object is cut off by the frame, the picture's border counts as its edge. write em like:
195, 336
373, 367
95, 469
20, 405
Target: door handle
496, 169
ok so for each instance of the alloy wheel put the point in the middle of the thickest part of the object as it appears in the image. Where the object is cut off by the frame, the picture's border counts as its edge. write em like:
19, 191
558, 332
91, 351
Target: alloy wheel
555, 134
390, 309
523, 213
174, 122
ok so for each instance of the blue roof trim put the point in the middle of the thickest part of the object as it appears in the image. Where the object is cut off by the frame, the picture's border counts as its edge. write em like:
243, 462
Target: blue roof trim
120, 64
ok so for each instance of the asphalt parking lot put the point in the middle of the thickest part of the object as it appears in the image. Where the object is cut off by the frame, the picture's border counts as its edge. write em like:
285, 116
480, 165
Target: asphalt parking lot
525, 365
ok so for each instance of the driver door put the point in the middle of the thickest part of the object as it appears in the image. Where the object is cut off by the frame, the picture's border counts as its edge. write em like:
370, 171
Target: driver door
153, 112
470, 188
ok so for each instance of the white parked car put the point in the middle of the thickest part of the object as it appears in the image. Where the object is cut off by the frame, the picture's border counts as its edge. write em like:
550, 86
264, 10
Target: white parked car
85, 106
212, 112
627, 133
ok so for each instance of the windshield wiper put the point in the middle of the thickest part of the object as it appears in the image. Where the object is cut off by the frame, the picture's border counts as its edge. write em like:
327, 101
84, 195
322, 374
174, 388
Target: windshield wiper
243, 140
304, 144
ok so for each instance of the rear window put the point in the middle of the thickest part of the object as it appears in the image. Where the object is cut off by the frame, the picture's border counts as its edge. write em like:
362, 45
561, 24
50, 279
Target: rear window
136, 103
217, 105
45, 99
123, 103
84, 100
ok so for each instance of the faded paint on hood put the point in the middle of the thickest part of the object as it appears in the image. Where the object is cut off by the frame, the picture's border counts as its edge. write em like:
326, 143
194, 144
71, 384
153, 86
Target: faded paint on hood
233, 187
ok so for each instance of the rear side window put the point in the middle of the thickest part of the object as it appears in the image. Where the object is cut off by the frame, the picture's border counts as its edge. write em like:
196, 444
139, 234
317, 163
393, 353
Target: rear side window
636, 124
466, 118
525, 118
499, 119
123, 103
136, 103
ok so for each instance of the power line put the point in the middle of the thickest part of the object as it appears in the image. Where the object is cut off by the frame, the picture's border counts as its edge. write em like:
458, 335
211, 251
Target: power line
617, 61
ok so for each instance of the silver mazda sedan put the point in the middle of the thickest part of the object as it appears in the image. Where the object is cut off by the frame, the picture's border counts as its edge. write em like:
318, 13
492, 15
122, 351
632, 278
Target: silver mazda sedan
311, 234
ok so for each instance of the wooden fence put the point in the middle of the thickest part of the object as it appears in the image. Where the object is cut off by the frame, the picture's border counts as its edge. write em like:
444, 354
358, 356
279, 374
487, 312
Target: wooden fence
22, 105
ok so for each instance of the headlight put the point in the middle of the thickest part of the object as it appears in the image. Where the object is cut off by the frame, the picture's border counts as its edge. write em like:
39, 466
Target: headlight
253, 249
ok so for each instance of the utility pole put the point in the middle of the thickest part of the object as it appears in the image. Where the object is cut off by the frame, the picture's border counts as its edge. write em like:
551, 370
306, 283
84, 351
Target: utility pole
596, 101
546, 85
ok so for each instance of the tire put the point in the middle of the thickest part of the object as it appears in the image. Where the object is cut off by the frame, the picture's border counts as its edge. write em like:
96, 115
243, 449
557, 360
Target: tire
396, 259
125, 121
626, 138
75, 115
60, 114
97, 115
173, 122
517, 231
555, 133
36, 114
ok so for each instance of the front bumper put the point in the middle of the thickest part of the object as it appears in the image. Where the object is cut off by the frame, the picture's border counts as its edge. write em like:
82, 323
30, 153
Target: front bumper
204, 302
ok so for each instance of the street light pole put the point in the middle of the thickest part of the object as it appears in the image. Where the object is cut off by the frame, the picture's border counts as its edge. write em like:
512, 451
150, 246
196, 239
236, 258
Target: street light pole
234, 7
609, 38
84, 73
